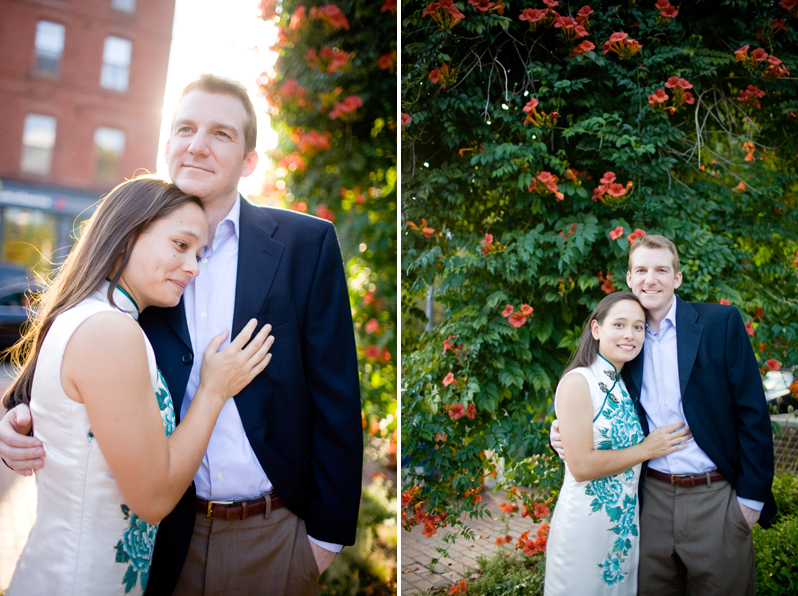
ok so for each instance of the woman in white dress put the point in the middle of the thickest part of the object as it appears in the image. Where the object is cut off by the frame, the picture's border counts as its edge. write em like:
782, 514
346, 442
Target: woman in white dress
593, 539
116, 464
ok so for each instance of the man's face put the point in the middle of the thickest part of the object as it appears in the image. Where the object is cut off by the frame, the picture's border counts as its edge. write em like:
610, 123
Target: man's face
652, 279
205, 151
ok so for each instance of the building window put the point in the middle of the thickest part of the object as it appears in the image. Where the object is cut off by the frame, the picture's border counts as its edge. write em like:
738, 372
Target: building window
124, 5
116, 63
49, 46
38, 141
109, 145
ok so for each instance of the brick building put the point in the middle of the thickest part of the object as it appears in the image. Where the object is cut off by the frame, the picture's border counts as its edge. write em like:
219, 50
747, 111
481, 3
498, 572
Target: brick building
81, 94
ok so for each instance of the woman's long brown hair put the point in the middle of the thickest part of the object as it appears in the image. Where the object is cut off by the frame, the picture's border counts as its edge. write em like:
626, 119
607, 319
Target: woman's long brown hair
109, 234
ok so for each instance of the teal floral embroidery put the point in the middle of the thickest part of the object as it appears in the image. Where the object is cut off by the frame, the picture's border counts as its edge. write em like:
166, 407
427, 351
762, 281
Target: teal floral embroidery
612, 571
623, 430
135, 549
165, 404
614, 375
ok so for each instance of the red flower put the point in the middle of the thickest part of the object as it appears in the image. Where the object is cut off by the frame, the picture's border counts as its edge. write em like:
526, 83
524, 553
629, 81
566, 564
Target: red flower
584, 46
331, 15
389, 6
541, 510
608, 178
449, 379
372, 326
533, 16
471, 411
323, 212
445, 13
607, 286
481, 5
406, 119
347, 106
616, 233
759, 313
749, 327
508, 310
773, 364
759, 55
267, 9
297, 19
387, 61
487, 244
777, 25
517, 319
526, 310
457, 411
435, 75
741, 55
751, 96
724, 301
531, 105
372, 352
638, 233
312, 140
508, 507
459, 588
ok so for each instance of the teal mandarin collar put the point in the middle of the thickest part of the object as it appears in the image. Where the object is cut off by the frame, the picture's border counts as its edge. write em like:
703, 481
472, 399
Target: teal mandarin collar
123, 300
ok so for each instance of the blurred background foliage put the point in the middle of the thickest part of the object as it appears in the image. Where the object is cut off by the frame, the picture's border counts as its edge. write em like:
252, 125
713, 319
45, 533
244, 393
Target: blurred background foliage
538, 137
332, 99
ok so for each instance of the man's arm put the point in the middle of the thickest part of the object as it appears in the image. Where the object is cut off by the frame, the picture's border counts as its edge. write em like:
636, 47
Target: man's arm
330, 361
751, 419
21, 452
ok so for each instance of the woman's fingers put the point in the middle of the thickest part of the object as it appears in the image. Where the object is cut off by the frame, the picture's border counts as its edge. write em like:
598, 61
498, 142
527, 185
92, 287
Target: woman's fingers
243, 337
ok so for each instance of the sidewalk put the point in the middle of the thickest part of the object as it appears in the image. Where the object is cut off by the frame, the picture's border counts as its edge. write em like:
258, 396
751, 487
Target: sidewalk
418, 576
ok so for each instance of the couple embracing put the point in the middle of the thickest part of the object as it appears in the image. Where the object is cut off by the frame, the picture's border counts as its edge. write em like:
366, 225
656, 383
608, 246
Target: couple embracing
664, 395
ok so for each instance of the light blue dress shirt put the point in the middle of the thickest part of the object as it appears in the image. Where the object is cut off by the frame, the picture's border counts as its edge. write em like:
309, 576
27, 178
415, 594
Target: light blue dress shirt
661, 399
230, 469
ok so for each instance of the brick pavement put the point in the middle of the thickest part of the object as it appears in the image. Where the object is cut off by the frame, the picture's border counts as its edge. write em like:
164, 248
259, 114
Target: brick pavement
418, 576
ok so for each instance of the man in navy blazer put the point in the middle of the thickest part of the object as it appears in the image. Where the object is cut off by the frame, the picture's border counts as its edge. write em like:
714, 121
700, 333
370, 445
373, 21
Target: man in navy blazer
697, 367
278, 492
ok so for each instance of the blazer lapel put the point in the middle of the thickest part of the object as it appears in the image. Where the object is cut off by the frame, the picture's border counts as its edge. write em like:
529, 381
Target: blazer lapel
688, 336
258, 258
176, 317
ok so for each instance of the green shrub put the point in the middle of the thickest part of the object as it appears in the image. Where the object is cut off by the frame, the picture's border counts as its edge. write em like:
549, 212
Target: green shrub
785, 490
776, 564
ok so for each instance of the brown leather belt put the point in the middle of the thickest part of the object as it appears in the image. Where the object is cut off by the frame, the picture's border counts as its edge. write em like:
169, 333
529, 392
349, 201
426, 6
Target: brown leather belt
688, 480
230, 510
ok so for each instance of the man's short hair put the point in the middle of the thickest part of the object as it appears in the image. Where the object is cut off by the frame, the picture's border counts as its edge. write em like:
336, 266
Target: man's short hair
655, 241
212, 83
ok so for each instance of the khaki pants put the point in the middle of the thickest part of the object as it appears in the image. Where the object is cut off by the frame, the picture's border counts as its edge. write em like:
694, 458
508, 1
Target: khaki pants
263, 555
694, 536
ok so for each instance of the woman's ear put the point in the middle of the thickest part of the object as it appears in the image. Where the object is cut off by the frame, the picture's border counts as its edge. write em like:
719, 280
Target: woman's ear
594, 329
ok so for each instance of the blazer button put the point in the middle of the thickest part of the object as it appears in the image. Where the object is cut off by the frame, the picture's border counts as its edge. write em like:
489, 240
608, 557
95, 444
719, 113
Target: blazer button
187, 358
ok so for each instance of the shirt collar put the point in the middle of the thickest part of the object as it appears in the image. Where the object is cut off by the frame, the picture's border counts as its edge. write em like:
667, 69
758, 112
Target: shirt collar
228, 226
670, 317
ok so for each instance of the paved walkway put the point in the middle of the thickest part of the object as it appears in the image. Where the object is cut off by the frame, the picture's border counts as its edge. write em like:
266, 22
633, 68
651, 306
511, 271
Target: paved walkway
418, 576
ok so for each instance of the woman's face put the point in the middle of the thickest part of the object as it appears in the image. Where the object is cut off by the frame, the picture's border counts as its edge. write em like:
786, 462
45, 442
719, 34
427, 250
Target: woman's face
164, 258
622, 332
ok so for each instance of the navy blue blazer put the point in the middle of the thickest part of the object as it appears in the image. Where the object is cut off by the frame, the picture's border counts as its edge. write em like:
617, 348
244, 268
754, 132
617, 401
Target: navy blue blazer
723, 398
302, 414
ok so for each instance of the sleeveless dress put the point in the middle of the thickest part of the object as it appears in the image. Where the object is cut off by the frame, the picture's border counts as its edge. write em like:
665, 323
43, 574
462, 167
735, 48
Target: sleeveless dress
85, 540
593, 539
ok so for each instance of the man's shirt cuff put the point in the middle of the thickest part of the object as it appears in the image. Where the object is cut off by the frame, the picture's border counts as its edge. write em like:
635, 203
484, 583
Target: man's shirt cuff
756, 505
333, 548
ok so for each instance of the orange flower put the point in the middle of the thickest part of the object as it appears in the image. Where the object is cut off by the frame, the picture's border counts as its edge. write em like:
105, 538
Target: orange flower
508, 310
584, 46
616, 233
623, 47
347, 106
449, 379
724, 301
372, 326
389, 6
406, 119
331, 15
387, 61
541, 510
459, 588
749, 327
638, 233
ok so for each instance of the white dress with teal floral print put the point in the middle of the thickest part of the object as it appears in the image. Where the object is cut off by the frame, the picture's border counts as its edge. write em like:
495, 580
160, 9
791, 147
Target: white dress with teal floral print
85, 540
593, 540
